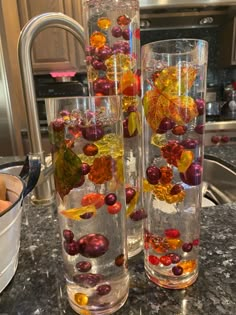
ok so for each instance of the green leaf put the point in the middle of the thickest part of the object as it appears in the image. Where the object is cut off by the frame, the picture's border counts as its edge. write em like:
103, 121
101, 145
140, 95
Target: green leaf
67, 170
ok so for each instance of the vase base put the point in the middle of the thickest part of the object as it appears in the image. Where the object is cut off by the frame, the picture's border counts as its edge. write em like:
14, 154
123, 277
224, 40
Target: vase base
173, 283
103, 311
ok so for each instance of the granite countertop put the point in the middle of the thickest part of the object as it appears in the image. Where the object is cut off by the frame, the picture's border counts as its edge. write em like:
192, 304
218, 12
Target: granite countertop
38, 286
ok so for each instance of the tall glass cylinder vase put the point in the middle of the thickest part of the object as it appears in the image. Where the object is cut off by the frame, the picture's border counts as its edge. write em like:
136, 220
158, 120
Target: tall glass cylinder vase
113, 66
87, 145
174, 87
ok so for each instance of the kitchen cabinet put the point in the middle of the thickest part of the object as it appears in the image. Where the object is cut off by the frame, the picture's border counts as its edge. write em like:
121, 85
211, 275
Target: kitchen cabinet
54, 49
228, 44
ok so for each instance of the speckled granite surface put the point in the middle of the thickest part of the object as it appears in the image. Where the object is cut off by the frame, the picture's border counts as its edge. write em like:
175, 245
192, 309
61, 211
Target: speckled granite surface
38, 286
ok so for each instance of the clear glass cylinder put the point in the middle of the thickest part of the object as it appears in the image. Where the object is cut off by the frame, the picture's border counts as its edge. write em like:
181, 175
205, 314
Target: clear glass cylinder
87, 145
113, 66
174, 87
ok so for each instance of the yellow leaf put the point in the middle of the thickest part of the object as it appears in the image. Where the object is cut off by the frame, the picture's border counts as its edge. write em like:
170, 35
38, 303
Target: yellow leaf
75, 213
132, 204
132, 123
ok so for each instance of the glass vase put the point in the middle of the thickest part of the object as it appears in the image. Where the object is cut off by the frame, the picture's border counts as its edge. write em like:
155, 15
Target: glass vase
174, 88
113, 67
87, 145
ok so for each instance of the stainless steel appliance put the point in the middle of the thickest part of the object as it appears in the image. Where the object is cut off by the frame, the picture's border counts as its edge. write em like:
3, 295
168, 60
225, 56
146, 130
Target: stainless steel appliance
48, 87
220, 133
172, 14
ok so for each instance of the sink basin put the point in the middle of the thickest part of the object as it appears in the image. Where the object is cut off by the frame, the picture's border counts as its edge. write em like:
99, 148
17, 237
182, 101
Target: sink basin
219, 182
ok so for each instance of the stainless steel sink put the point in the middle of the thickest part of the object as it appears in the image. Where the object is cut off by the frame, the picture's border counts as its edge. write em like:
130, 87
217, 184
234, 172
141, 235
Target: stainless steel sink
219, 181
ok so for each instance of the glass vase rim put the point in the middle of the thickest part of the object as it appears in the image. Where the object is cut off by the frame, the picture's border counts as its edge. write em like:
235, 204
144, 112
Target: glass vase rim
164, 41
86, 97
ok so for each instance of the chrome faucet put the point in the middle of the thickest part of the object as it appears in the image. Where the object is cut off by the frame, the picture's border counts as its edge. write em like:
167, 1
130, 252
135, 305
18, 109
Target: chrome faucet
43, 193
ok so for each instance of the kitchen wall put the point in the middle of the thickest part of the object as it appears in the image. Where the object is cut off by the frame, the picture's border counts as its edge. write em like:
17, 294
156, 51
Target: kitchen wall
216, 77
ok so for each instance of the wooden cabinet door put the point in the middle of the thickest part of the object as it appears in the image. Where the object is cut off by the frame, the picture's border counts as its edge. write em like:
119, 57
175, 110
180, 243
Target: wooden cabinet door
227, 54
53, 49
234, 42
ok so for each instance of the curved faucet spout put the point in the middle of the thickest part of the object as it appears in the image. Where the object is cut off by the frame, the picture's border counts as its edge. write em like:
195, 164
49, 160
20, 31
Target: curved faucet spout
28, 34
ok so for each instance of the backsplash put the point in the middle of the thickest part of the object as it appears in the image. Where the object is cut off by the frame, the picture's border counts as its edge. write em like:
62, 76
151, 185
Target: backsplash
215, 77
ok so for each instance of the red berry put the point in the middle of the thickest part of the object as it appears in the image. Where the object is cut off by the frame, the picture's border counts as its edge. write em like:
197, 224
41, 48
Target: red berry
68, 235
85, 168
187, 247
177, 270
174, 258
196, 242
165, 260
129, 193
153, 174
83, 266
110, 199
114, 209
172, 233
154, 260
71, 248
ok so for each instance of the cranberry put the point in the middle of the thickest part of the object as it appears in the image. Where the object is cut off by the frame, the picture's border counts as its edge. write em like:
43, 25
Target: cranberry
64, 112
165, 260
68, 235
129, 193
71, 248
176, 189
193, 175
114, 209
174, 258
104, 52
177, 270
99, 65
103, 289
199, 129
110, 199
85, 168
93, 245
87, 215
196, 242
93, 133
83, 266
138, 215
190, 143
165, 125
179, 130
153, 174
126, 130
119, 261
58, 124
126, 34
131, 109
187, 247
172, 233
154, 260
200, 106
116, 31
88, 280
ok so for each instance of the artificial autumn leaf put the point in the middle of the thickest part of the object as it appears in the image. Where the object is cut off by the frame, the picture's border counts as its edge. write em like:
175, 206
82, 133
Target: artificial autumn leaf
132, 205
158, 108
167, 98
176, 80
134, 123
67, 171
75, 213
182, 109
